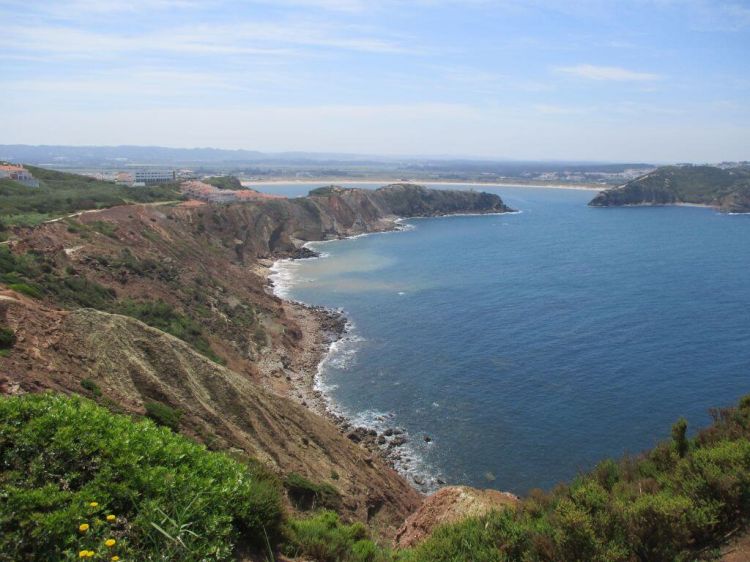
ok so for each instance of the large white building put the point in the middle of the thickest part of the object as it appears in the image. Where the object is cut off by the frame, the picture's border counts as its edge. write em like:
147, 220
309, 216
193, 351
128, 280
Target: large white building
147, 176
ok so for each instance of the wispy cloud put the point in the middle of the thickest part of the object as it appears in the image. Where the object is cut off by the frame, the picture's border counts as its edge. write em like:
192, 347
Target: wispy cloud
609, 73
261, 38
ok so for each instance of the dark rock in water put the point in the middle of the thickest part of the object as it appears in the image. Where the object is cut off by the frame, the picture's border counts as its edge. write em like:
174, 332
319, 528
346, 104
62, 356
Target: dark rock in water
440, 481
388, 432
427, 439
372, 432
398, 441
418, 480
398, 431
304, 253
381, 440
354, 436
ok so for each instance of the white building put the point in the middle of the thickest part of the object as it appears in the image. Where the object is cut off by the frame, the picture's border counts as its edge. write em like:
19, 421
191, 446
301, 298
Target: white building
147, 176
19, 174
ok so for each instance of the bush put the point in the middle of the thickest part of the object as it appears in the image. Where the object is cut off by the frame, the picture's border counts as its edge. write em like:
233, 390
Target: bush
163, 415
26, 289
173, 500
308, 495
679, 432
679, 498
106, 228
7, 338
166, 318
91, 386
325, 539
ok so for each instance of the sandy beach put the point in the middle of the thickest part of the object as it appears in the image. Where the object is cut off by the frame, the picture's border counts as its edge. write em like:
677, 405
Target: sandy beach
338, 181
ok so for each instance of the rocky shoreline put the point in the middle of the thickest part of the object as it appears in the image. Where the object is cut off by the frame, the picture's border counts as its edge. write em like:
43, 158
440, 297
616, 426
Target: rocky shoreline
321, 328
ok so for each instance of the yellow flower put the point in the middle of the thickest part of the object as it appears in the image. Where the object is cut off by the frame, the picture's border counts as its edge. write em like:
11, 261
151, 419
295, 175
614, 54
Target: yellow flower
83, 554
83, 527
115, 558
91, 553
110, 542
111, 518
94, 504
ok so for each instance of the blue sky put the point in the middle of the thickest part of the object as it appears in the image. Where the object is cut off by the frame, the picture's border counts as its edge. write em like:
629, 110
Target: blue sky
646, 80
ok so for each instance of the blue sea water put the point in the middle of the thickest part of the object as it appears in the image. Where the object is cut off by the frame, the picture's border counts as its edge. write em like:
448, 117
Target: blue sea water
529, 346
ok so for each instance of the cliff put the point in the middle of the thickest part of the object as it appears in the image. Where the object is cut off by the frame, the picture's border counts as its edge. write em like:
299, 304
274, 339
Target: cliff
168, 303
726, 189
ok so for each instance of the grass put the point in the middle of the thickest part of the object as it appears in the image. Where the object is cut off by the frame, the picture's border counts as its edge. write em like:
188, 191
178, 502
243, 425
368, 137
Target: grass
173, 499
61, 193
324, 538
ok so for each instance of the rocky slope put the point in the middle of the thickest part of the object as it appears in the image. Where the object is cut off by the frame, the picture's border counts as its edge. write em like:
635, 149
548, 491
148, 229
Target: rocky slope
726, 189
450, 505
200, 270
132, 364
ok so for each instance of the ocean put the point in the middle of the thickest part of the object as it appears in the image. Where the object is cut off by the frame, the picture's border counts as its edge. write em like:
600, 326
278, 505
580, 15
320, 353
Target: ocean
526, 347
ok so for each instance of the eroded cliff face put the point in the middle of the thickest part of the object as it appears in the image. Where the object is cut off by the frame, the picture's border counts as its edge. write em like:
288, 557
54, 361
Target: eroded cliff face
726, 189
208, 264
133, 364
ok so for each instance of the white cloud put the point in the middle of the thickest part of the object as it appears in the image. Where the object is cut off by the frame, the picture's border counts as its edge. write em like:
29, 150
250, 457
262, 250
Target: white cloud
609, 73
258, 38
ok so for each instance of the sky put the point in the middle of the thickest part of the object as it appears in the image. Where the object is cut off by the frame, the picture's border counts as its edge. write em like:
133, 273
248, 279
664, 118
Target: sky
607, 80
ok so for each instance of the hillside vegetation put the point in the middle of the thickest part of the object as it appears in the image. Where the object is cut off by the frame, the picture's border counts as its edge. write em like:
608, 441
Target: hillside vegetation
61, 193
78, 480
727, 189
224, 182
68, 463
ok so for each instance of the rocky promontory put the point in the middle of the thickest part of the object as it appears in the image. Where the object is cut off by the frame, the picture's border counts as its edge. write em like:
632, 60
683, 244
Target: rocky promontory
168, 304
727, 189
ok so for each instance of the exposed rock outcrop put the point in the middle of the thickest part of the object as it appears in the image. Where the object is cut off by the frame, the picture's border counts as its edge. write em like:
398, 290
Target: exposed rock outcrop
449, 505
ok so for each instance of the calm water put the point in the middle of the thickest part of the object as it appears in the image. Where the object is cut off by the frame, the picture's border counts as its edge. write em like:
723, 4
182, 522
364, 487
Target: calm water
528, 346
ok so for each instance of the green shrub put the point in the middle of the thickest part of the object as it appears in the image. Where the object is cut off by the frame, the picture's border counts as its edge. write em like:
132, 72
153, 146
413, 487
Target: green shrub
681, 497
324, 538
173, 499
166, 318
679, 436
163, 415
305, 494
26, 289
106, 228
91, 386
7, 338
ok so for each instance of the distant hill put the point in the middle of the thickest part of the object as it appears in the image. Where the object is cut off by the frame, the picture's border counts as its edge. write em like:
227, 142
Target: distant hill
727, 189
